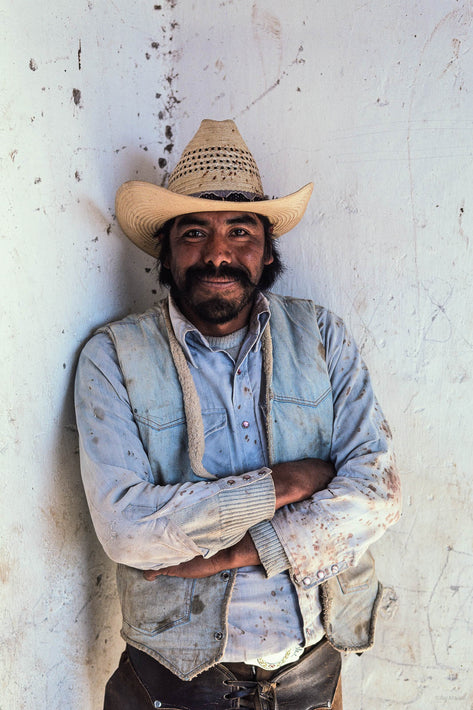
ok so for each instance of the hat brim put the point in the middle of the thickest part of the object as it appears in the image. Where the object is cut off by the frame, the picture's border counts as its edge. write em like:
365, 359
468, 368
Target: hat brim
143, 208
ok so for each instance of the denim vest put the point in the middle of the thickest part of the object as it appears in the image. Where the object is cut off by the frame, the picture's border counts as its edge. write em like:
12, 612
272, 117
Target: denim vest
182, 622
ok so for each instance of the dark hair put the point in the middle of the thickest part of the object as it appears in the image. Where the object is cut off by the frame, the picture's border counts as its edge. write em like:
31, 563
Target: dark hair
271, 272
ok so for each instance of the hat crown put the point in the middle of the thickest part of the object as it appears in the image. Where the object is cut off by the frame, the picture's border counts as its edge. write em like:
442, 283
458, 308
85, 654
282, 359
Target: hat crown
216, 159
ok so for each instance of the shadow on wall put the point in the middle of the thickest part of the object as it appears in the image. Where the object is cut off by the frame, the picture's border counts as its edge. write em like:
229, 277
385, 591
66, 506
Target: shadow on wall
83, 596
88, 576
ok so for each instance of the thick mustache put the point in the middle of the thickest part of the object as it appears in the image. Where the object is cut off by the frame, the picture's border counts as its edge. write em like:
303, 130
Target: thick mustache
232, 273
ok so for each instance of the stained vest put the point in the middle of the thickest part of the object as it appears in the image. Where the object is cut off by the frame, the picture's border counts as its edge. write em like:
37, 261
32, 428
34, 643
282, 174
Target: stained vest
182, 622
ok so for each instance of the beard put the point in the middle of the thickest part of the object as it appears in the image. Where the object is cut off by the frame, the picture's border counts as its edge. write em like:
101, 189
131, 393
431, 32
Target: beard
214, 309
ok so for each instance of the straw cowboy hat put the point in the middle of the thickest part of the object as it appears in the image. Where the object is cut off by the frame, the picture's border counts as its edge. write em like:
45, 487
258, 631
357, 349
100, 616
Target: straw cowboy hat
216, 173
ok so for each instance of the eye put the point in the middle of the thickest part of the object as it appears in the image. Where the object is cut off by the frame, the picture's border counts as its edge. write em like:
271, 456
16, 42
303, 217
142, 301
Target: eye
239, 232
193, 234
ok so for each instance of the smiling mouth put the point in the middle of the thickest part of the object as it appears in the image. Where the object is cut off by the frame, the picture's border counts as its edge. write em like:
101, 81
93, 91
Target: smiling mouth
218, 281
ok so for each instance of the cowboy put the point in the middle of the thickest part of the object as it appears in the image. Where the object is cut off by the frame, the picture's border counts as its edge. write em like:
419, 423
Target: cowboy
236, 462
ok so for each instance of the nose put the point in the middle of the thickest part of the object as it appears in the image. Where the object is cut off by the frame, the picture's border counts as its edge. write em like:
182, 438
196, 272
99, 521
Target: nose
216, 250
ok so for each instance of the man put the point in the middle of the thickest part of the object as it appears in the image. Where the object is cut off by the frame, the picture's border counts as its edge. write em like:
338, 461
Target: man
236, 462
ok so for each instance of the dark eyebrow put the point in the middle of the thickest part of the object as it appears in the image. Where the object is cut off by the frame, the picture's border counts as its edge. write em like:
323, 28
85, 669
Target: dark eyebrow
243, 219
189, 219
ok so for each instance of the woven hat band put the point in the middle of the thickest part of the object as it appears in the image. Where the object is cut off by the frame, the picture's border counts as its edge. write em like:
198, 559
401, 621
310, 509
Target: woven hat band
216, 159
229, 196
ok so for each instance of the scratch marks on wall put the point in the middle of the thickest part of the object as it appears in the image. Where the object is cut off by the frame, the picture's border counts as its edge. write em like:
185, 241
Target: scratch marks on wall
461, 214
440, 328
268, 39
267, 32
33, 65
79, 53
5, 570
431, 137
450, 610
298, 59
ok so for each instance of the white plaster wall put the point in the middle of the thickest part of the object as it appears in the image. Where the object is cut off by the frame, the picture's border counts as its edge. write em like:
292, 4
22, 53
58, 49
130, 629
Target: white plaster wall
370, 100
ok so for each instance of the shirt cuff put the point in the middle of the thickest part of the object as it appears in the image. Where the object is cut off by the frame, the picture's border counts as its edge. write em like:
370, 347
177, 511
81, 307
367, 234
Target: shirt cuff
271, 553
245, 505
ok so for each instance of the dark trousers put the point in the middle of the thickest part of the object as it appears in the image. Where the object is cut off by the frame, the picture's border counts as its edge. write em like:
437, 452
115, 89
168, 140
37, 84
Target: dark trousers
141, 683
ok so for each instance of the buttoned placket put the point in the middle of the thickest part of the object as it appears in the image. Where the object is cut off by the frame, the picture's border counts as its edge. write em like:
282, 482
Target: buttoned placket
245, 404
242, 403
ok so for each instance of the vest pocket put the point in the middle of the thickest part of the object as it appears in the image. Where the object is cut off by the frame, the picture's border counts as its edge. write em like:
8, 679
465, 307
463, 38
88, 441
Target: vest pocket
354, 579
149, 608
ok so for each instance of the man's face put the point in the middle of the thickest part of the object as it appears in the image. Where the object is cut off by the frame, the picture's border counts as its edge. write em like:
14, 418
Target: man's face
216, 260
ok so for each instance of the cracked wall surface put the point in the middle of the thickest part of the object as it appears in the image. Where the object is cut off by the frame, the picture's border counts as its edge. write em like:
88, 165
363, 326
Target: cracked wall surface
370, 101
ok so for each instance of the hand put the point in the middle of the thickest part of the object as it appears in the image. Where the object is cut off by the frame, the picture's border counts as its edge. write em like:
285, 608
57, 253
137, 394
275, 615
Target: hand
298, 480
196, 568
240, 555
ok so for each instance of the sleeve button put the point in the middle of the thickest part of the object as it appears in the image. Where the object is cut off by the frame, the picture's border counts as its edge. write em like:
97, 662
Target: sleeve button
306, 581
230, 482
334, 569
320, 574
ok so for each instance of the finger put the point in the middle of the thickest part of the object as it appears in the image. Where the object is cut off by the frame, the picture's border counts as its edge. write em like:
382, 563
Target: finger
150, 574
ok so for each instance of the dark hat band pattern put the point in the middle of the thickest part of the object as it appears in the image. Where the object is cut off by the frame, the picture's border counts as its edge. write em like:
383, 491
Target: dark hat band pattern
230, 196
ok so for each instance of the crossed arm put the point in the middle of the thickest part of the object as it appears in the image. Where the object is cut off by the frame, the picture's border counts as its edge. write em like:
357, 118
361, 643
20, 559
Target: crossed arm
293, 482
199, 524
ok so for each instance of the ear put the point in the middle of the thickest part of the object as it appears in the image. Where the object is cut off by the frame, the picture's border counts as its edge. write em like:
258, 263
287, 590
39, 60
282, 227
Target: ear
268, 249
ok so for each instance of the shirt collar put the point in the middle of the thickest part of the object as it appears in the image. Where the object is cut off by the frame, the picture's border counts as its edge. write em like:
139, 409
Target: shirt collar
186, 332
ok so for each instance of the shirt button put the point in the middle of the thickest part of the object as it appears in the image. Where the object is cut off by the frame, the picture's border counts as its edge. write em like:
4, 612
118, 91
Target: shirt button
334, 569
225, 575
245, 424
306, 581
157, 704
218, 636
230, 482
320, 574
246, 477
